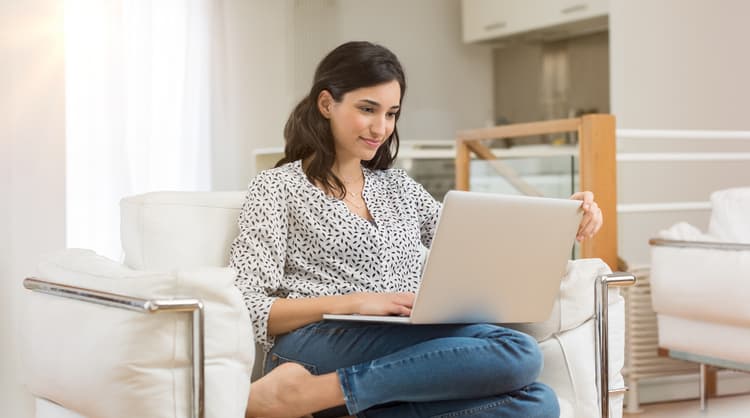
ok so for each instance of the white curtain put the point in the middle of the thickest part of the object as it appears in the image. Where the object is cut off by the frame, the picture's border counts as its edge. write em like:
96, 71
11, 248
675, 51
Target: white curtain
138, 107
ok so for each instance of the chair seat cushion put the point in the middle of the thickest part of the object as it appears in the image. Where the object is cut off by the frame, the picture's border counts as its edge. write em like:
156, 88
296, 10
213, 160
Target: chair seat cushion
728, 343
101, 361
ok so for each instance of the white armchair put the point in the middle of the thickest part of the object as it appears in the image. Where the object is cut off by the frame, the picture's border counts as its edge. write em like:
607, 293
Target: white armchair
141, 350
138, 350
700, 287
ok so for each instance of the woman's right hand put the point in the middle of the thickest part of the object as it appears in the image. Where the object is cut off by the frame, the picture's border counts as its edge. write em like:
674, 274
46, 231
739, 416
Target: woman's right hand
383, 303
289, 314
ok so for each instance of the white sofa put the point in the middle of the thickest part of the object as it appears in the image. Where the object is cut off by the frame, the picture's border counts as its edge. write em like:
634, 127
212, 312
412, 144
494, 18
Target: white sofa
700, 287
88, 360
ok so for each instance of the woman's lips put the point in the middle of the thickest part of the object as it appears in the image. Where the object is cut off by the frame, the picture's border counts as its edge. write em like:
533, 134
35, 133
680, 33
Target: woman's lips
374, 143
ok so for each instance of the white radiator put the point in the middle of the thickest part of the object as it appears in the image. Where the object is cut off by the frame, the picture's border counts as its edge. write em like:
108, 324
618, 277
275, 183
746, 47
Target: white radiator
641, 341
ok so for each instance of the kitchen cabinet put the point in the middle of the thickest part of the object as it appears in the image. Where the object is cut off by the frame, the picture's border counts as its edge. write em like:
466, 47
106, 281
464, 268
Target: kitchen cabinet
487, 20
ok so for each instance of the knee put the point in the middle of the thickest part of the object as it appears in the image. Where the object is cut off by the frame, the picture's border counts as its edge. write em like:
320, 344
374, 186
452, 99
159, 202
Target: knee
530, 357
542, 401
520, 354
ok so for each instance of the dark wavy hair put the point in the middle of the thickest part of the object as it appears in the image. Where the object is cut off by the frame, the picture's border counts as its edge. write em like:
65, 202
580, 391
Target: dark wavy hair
308, 134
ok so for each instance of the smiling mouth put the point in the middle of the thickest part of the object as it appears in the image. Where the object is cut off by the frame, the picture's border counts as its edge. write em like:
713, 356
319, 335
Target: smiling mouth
371, 142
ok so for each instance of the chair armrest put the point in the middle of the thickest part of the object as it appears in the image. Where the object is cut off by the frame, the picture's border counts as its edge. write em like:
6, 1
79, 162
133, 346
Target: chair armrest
729, 246
127, 360
147, 306
701, 280
617, 279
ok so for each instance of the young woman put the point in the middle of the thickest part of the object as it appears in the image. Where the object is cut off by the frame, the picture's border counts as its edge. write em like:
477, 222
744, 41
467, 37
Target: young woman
332, 229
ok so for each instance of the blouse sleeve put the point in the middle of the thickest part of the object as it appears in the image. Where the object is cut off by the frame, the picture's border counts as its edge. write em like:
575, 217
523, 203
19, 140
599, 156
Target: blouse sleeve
428, 209
258, 253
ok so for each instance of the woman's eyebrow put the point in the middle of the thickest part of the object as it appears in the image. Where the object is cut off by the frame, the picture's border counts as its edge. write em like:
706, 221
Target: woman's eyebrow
374, 103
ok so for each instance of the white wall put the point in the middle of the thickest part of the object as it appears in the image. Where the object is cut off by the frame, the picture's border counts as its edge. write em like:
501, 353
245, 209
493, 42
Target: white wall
6, 156
32, 166
253, 95
677, 64
680, 64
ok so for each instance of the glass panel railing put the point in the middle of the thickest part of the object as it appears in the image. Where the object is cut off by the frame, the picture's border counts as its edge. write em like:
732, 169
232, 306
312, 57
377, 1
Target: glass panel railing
554, 176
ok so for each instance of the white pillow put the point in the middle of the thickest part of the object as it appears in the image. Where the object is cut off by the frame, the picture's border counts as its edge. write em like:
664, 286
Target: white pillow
730, 215
105, 362
683, 231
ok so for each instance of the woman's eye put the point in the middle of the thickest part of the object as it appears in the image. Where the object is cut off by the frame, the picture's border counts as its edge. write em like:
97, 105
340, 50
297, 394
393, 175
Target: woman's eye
367, 109
391, 115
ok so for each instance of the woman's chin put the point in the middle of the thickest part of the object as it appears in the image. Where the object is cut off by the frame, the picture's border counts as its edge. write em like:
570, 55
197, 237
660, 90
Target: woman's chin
368, 155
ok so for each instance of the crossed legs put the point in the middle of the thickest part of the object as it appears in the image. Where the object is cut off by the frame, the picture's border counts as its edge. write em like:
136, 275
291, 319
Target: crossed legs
384, 370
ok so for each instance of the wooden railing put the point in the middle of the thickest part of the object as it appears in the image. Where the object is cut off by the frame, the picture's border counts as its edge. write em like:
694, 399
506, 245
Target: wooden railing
596, 142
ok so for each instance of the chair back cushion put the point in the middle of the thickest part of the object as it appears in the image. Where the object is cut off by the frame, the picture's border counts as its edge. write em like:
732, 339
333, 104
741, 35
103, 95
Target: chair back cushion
162, 231
107, 362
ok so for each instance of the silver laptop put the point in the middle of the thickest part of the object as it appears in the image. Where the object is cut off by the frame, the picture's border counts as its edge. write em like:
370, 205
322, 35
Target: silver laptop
494, 258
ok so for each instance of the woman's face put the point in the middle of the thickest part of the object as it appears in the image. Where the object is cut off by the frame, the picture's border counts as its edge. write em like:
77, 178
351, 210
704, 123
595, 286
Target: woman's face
362, 120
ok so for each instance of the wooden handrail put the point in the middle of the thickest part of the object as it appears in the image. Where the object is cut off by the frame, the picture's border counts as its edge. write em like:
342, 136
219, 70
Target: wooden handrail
596, 139
522, 129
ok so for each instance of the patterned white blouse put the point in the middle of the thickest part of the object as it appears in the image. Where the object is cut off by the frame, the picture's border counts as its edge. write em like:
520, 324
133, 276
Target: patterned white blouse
297, 242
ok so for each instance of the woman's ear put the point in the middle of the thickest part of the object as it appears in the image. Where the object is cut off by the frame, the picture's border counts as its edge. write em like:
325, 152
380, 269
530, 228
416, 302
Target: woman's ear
325, 101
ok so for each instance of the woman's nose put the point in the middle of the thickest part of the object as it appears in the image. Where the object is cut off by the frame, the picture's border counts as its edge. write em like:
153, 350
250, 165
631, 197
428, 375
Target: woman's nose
378, 126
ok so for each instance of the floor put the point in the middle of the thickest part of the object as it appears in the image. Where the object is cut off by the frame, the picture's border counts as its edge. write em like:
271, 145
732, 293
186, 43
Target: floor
724, 407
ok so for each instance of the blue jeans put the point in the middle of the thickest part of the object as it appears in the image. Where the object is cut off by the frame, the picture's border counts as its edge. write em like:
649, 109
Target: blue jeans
402, 371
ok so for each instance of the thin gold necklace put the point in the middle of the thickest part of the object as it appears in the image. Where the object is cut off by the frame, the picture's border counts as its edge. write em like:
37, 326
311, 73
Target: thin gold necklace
346, 179
353, 195
347, 192
358, 206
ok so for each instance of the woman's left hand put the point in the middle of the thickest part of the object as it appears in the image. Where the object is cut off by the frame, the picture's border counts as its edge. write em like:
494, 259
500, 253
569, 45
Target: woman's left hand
592, 216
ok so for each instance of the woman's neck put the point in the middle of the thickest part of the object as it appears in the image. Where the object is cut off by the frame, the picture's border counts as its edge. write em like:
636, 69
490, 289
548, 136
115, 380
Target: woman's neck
350, 170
